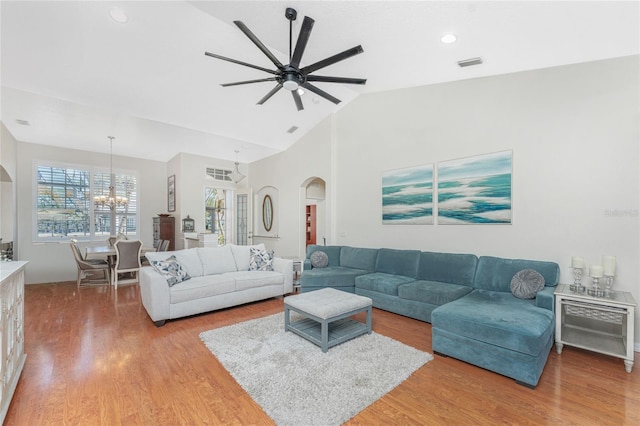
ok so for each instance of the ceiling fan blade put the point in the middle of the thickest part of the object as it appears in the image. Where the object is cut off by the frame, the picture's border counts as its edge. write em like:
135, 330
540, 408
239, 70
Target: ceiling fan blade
258, 43
346, 80
301, 44
333, 59
297, 100
235, 61
270, 94
238, 83
320, 92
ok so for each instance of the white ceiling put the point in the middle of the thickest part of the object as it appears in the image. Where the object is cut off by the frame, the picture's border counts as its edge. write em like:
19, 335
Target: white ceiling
77, 76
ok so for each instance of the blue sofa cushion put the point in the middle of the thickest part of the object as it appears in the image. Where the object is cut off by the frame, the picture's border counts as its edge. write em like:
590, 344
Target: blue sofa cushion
495, 273
398, 262
333, 252
433, 292
331, 276
497, 318
448, 267
382, 283
358, 258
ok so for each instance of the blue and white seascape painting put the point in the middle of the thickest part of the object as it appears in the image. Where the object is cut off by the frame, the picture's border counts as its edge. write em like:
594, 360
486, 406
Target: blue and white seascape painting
407, 196
475, 190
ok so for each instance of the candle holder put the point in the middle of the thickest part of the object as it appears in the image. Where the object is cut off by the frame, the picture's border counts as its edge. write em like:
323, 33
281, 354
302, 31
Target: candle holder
577, 281
596, 291
608, 283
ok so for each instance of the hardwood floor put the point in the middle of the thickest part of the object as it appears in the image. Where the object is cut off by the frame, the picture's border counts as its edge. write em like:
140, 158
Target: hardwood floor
95, 357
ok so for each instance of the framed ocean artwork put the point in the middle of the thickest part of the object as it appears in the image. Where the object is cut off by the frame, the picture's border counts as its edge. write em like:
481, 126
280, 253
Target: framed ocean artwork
475, 190
407, 196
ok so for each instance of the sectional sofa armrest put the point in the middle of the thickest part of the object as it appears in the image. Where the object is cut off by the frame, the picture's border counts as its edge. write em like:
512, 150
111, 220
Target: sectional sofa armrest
306, 265
154, 291
285, 266
545, 298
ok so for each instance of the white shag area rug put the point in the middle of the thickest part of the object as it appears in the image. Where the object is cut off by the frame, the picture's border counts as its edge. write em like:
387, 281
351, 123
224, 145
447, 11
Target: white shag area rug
296, 384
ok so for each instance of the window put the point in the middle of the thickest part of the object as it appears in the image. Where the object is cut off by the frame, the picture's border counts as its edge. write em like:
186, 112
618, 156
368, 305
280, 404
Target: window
65, 206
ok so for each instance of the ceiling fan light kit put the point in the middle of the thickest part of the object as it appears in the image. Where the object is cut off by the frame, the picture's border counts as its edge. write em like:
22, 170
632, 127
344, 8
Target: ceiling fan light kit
292, 77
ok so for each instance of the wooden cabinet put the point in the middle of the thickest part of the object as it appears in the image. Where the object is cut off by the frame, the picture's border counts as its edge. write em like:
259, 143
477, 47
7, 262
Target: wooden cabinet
11, 330
164, 228
310, 224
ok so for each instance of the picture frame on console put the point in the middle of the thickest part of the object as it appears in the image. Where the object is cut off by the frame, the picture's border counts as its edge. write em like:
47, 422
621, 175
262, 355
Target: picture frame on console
171, 193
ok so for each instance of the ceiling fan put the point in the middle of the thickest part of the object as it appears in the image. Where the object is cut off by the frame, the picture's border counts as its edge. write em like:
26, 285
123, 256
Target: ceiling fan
292, 76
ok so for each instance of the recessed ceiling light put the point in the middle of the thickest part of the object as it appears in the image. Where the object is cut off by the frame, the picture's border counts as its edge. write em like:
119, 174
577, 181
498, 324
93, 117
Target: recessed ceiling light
448, 38
118, 15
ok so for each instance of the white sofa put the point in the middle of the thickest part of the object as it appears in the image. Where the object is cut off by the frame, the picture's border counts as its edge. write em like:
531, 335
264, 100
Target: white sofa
220, 278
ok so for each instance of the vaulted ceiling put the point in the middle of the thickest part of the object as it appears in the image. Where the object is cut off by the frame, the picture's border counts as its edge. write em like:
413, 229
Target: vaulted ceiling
71, 75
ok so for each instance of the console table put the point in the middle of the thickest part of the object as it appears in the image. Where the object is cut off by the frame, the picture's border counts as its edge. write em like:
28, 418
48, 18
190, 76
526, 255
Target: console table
11, 330
599, 324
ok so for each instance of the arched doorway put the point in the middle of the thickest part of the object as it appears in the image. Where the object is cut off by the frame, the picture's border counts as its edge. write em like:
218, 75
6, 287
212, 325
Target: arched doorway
313, 196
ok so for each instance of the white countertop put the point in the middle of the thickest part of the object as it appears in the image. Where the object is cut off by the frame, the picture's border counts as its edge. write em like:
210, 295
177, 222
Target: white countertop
8, 268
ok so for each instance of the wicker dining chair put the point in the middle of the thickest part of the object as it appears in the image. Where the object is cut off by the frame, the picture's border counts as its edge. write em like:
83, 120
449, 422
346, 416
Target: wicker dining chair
87, 266
127, 261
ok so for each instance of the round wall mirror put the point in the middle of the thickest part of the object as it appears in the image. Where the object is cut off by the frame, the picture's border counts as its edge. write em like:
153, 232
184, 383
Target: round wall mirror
267, 213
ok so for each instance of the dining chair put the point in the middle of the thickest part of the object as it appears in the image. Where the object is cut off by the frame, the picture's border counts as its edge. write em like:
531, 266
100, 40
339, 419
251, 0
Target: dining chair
86, 266
127, 260
111, 241
164, 245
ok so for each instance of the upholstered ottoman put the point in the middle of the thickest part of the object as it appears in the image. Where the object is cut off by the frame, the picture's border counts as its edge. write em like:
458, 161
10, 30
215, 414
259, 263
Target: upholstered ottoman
326, 315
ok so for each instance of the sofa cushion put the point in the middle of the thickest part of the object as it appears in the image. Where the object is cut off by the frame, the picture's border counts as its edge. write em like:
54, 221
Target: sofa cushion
253, 279
319, 259
359, 258
242, 255
333, 252
331, 276
216, 260
261, 260
398, 262
526, 284
432, 292
495, 273
171, 270
189, 259
381, 282
455, 268
497, 318
201, 287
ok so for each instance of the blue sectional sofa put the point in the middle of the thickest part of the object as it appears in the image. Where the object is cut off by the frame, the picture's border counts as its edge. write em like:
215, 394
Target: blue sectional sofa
468, 301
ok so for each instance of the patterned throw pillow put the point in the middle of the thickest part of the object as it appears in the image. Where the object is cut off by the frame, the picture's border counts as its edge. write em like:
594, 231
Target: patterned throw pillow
319, 259
526, 283
171, 270
261, 260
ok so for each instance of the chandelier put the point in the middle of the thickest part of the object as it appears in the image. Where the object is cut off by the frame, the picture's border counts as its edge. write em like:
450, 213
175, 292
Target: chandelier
112, 201
235, 175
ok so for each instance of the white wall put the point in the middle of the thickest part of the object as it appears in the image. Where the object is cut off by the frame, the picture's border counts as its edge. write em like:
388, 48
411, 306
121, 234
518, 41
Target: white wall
289, 172
53, 262
8, 160
575, 137
191, 179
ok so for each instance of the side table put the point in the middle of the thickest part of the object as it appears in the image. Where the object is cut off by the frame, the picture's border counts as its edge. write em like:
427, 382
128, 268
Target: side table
599, 324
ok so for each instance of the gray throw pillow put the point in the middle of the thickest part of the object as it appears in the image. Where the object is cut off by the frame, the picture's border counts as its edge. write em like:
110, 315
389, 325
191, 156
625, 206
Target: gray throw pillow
171, 270
319, 259
526, 283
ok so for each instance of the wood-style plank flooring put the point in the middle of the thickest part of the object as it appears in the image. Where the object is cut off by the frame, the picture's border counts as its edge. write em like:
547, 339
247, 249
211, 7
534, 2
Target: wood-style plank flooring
95, 357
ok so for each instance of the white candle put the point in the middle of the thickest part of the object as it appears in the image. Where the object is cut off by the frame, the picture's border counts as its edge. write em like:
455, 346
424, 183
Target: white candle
577, 262
609, 265
595, 271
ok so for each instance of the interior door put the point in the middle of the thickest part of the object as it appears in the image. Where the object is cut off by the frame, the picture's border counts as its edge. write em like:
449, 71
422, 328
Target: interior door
244, 218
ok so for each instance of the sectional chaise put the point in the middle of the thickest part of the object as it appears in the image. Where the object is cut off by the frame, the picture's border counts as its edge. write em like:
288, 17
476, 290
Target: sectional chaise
467, 299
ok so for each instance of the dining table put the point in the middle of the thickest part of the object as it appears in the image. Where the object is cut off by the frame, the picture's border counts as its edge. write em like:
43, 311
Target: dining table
101, 252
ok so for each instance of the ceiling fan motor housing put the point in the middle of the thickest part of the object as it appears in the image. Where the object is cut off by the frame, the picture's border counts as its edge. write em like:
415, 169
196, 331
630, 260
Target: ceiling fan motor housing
291, 78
